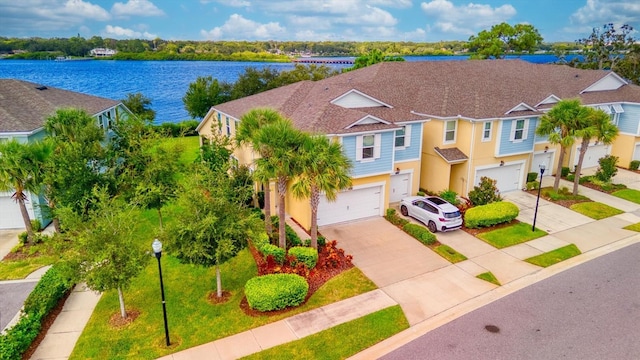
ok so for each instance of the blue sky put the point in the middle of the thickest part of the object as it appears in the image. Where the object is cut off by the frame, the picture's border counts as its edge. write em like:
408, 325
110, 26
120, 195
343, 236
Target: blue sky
313, 20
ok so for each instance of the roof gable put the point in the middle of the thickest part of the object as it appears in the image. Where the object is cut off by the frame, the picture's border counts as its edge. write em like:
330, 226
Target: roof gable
354, 99
520, 107
368, 120
551, 99
610, 82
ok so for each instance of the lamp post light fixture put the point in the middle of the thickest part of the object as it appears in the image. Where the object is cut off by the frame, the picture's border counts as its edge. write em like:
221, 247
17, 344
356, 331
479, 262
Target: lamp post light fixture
157, 250
535, 214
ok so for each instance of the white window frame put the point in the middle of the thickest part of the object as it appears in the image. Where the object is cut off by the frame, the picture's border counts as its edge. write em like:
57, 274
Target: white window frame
486, 137
406, 136
228, 125
377, 140
455, 132
514, 129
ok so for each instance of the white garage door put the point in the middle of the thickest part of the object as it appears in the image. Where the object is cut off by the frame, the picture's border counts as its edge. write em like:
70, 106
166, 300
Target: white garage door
399, 187
10, 216
351, 205
542, 158
636, 153
507, 176
594, 153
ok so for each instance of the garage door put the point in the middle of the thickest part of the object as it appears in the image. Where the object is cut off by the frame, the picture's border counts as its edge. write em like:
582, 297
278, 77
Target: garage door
399, 187
542, 158
351, 205
636, 153
10, 216
507, 176
594, 153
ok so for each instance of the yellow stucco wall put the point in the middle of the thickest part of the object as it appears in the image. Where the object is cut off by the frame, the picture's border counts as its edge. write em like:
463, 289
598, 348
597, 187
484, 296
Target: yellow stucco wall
623, 147
414, 168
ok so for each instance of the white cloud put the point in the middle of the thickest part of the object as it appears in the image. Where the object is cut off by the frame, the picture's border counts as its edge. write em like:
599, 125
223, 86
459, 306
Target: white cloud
232, 3
238, 27
120, 32
465, 19
136, 8
84, 10
600, 12
392, 3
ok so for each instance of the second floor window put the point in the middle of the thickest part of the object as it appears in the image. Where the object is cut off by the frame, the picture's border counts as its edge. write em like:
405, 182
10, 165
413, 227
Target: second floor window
403, 137
368, 142
368, 147
519, 130
450, 131
486, 131
228, 126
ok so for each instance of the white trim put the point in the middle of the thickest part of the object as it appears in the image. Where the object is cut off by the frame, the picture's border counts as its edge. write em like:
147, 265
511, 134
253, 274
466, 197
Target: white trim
520, 107
617, 108
367, 120
490, 131
406, 160
455, 132
525, 130
382, 103
377, 145
551, 99
407, 138
364, 132
370, 175
591, 87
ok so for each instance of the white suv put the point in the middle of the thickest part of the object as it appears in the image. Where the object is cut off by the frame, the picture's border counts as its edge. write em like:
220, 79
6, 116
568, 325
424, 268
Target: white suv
435, 212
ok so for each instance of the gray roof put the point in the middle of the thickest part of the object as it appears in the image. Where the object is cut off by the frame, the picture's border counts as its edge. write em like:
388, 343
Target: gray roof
477, 89
25, 106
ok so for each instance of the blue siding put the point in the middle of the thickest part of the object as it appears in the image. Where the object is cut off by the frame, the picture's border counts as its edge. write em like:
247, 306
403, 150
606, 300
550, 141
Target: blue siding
511, 147
629, 119
413, 151
380, 165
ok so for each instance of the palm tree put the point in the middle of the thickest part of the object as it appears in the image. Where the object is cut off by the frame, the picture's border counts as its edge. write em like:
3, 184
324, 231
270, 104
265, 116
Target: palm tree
21, 167
595, 124
559, 124
324, 168
250, 124
282, 163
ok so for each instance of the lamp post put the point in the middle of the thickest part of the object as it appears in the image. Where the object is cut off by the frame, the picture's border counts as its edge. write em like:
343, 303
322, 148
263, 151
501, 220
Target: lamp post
535, 214
157, 250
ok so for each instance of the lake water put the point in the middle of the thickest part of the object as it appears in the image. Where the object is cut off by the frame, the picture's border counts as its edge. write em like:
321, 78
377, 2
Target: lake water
164, 82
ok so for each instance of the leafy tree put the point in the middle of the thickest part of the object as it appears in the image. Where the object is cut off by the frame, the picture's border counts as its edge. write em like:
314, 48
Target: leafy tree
204, 93
559, 124
140, 105
324, 168
595, 124
629, 66
373, 57
215, 228
504, 38
284, 142
21, 167
215, 152
253, 81
311, 72
106, 253
606, 46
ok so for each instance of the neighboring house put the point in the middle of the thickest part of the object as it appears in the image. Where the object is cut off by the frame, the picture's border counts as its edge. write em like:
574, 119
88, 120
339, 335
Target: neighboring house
102, 52
437, 125
24, 108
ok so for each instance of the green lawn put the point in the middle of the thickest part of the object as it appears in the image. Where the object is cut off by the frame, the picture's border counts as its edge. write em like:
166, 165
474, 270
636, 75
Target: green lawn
633, 227
511, 235
449, 253
628, 194
595, 210
555, 256
342, 341
488, 276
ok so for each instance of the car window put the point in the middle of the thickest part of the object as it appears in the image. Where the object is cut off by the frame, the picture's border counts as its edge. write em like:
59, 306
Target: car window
437, 201
452, 215
430, 208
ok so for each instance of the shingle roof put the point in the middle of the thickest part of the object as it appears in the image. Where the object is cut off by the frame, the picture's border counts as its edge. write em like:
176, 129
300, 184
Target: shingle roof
470, 88
451, 155
25, 106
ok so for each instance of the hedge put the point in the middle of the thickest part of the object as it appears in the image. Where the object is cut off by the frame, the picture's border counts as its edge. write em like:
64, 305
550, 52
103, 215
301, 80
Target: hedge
490, 214
277, 252
306, 255
45, 296
421, 233
275, 291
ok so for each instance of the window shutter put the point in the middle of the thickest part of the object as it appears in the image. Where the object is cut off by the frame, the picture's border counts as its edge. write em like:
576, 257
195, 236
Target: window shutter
377, 144
407, 135
359, 148
525, 130
512, 135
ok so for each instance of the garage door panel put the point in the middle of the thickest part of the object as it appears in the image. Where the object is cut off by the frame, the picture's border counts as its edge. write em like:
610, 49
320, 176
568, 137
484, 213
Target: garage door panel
507, 177
543, 158
10, 215
350, 205
594, 153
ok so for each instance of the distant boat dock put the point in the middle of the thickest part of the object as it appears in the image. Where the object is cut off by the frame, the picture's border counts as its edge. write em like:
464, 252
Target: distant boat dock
312, 60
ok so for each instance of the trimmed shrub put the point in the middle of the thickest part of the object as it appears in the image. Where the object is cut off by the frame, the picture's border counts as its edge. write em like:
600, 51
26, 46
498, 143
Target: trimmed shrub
277, 252
421, 193
321, 242
305, 255
275, 291
23, 237
450, 196
292, 237
485, 193
634, 165
533, 185
490, 214
532, 176
421, 233
564, 172
607, 169
393, 218
260, 239
36, 225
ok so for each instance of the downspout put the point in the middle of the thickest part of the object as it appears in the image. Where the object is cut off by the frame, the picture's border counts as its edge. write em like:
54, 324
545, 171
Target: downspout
473, 143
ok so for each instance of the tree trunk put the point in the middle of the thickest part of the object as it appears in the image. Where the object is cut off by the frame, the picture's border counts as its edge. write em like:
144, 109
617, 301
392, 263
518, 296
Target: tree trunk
56, 224
160, 217
282, 191
576, 179
123, 312
218, 282
556, 181
25, 216
267, 209
314, 201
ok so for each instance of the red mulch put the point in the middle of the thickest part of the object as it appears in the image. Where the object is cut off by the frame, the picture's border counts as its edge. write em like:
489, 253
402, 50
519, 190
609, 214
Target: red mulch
117, 321
331, 262
213, 298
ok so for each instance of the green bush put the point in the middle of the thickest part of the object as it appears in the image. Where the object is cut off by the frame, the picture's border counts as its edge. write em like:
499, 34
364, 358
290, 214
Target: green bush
277, 252
421, 193
292, 237
607, 169
393, 218
23, 237
306, 255
533, 185
421, 233
484, 193
564, 172
490, 214
36, 225
532, 176
449, 195
275, 291
634, 165
49, 290
321, 241
260, 239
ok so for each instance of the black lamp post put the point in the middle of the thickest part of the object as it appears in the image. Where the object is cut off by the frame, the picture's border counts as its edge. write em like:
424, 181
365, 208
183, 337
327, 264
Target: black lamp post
535, 214
157, 250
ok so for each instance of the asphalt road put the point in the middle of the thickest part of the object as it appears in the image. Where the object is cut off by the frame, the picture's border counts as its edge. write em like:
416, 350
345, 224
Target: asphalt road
591, 311
12, 296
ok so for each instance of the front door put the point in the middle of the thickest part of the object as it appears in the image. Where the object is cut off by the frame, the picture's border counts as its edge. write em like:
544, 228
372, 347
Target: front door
399, 187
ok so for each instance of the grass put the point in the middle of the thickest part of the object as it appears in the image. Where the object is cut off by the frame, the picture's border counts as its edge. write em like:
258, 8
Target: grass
488, 276
633, 227
628, 194
341, 341
510, 235
595, 210
561, 194
19, 269
555, 256
449, 253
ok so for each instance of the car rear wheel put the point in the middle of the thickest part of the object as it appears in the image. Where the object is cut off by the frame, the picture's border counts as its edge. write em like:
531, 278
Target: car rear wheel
432, 227
403, 210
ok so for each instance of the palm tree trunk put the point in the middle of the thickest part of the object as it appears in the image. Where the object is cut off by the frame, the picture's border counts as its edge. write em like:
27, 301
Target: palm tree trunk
218, 282
556, 181
267, 209
56, 224
576, 179
123, 312
25, 216
314, 202
282, 191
